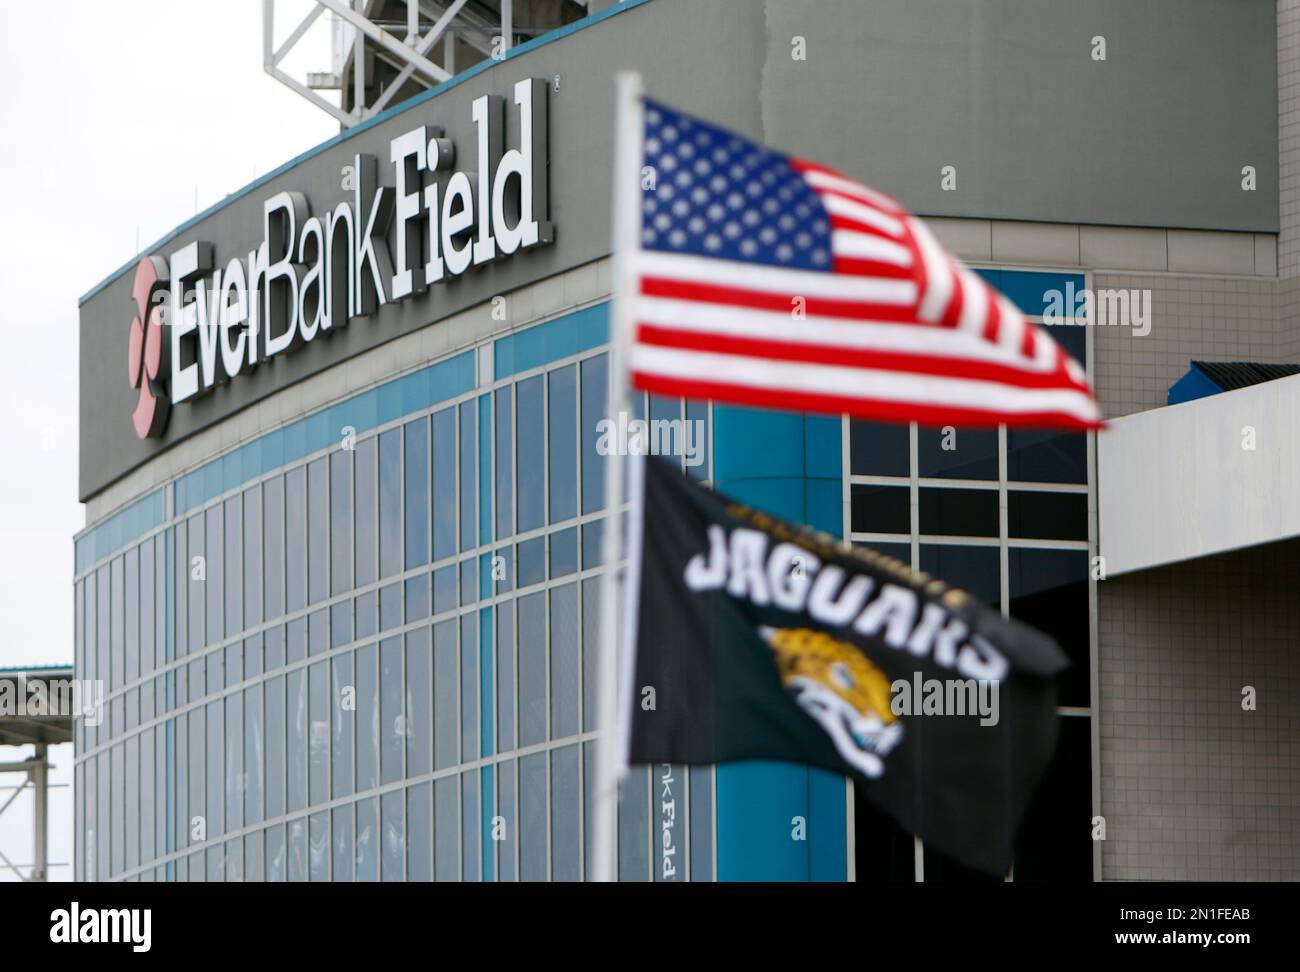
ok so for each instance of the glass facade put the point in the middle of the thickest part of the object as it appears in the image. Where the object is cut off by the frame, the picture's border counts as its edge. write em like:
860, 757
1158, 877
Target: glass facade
362, 647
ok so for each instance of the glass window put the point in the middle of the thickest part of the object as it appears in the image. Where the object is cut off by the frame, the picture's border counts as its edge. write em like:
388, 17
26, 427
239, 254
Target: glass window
275, 760
196, 602
446, 855
530, 419
469, 690
1047, 516
296, 640
234, 664
344, 854
252, 522
318, 556
417, 598
444, 484
180, 836
419, 702
562, 439
590, 653
340, 623
392, 721
343, 719
505, 671
233, 582
131, 615
254, 861
878, 449
565, 835
318, 631
564, 552
390, 502
146, 616
416, 434
341, 525
446, 720
532, 561
367, 614
319, 845
253, 656
215, 610
468, 581
593, 544
295, 683
234, 786
178, 624
701, 822
198, 777
959, 512
147, 797
508, 847
318, 733
532, 669
274, 641
444, 589
468, 475
295, 543
973, 569
367, 675
367, 840
253, 749
366, 537
1046, 456
1049, 591
634, 826
1054, 842
881, 509
393, 858
504, 467
470, 827
390, 607
565, 701
131, 795
595, 403
419, 825
273, 546
532, 812
953, 453
298, 849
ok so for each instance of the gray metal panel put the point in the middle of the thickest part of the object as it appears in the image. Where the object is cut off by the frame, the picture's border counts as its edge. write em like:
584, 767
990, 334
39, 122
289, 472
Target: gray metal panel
891, 90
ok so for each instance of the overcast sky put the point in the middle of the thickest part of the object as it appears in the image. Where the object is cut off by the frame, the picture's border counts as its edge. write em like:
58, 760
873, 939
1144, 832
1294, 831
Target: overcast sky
118, 121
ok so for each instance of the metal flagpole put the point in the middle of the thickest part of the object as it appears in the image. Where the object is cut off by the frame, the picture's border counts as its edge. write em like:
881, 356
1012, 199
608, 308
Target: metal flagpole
628, 134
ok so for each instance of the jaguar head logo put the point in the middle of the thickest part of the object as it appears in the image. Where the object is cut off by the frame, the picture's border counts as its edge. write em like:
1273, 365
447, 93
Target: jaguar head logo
147, 348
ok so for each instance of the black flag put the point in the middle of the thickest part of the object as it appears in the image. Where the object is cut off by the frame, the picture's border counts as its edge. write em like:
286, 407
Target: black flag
754, 638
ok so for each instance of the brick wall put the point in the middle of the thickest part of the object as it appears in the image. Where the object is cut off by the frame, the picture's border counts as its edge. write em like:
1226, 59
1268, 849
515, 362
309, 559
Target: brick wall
1193, 787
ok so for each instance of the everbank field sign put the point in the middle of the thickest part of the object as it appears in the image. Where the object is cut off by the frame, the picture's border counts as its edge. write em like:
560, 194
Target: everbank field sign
202, 318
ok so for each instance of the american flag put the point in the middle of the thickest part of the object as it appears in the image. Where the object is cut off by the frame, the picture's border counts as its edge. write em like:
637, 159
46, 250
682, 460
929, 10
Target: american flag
769, 280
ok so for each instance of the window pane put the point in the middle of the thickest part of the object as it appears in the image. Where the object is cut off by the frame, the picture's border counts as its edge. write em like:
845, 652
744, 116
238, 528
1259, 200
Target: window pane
275, 760
565, 839
469, 691
877, 449
701, 823
532, 669
215, 611
446, 855
508, 848
273, 545
881, 509
959, 512
298, 850
973, 569
254, 859
392, 740
1045, 456
235, 784
564, 661
390, 502
1047, 516
419, 827
196, 599
505, 671
532, 827
252, 516
470, 828
417, 492
319, 845
319, 733
276, 854
595, 403
1054, 841
504, 466
562, 419
532, 562
634, 826
343, 723
367, 840
1049, 591
419, 703
367, 676
131, 605
318, 559
295, 684
564, 552
957, 453
344, 855
367, 514
468, 475
393, 807
530, 451
444, 483
341, 526
295, 541
446, 690
253, 754
590, 653
233, 582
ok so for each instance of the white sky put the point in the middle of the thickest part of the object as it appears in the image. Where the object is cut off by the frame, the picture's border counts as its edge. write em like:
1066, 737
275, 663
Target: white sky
114, 117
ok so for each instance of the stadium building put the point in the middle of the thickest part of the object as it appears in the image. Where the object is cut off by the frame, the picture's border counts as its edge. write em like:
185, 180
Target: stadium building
340, 569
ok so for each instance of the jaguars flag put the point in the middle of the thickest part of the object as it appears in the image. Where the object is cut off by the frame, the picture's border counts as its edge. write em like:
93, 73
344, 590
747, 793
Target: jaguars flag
747, 637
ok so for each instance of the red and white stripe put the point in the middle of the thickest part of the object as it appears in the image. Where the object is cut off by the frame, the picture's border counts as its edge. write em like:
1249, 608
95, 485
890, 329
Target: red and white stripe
900, 330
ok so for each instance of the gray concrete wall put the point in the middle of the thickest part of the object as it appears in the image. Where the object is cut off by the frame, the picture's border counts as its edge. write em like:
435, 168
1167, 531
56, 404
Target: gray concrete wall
1194, 788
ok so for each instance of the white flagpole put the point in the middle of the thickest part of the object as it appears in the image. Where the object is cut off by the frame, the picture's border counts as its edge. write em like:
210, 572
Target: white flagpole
610, 757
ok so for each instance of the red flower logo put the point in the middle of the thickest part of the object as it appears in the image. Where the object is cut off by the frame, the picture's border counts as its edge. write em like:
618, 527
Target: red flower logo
148, 350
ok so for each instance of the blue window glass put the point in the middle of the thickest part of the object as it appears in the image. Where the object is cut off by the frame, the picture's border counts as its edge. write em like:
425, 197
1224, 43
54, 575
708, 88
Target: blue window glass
532, 562
367, 512
562, 422
277, 868
214, 610
446, 855
468, 475
419, 702
342, 724
595, 403
565, 652
393, 830
318, 558
446, 690
234, 785
953, 453
273, 545
532, 813
564, 552
532, 668
503, 454
233, 558
417, 492
343, 854
367, 723
367, 840
253, 532
295, 683
417, 598
254, 748
444, 484
419, 828
298, 849
196, 600
390, 502
341, 525
469, 690
471, 827
507, 809
529, 449
590, 652
295, 539
318, 846
444, 589
390, 607
318, 733
565, 836
392, 737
